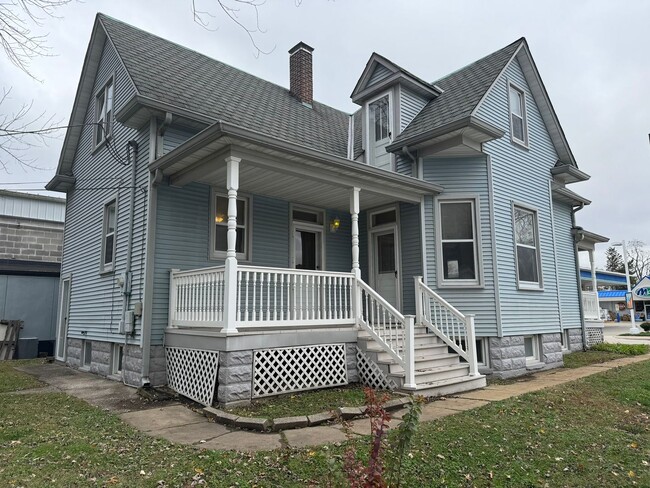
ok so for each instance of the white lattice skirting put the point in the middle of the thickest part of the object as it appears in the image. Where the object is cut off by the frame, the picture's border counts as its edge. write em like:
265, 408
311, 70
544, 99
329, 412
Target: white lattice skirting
288, 369
594, 336
192, 373
371, 375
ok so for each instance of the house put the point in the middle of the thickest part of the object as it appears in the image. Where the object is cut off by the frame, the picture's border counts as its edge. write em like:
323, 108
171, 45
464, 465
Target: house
31, 240
226, 234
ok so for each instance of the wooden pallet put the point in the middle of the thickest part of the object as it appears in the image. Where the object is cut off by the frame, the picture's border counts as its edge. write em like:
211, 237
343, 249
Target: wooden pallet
9, 331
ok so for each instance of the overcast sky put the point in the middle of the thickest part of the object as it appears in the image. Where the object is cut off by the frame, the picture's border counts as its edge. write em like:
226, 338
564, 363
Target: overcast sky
592, 55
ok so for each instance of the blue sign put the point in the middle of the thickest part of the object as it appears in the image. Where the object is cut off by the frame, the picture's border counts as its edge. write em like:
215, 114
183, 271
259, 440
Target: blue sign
643, 292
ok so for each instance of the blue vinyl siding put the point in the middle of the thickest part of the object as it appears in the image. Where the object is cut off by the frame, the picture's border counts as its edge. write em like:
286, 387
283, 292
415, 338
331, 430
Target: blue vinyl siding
175, 136
95, 299
463, 176
411, 249
183, 240
410, 104
522, 176
566, 266
381, 72
403, 164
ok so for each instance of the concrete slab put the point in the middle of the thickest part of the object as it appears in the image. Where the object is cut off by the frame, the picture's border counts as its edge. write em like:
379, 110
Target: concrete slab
431, 412
162, 418
362, 426
460, 404
492, 394
241, 440
314, 436
192, 433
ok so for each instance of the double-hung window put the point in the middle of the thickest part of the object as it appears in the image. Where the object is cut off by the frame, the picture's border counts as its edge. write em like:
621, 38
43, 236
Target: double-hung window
527, 244
380, 116
104, 113
219, 245
518, 126
108, 236
458, 243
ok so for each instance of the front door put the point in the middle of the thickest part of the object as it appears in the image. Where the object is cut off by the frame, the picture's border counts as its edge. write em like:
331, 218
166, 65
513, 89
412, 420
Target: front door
64, 306
386, 266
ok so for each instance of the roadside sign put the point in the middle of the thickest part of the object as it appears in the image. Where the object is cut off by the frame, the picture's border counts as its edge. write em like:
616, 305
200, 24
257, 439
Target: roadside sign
628, 300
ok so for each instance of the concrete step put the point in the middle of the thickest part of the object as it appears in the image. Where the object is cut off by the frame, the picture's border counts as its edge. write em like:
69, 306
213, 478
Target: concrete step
448, 386
418, 329
424, 362
423, 350
429, 375
419, 339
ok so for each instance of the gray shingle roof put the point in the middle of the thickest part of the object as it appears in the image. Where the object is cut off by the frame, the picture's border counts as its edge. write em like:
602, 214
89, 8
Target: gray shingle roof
463, 89
167, 72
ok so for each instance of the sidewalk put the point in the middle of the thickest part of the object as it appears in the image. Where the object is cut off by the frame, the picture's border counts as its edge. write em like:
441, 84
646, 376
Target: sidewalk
179, 424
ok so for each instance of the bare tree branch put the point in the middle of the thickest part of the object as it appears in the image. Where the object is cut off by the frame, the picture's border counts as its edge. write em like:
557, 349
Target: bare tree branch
234, 9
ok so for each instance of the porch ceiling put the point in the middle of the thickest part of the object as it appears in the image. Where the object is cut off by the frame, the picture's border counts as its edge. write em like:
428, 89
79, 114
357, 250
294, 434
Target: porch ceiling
278, 169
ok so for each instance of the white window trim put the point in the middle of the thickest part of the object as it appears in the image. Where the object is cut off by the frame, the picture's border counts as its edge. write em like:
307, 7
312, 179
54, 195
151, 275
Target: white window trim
85, 343
115, 361
483, 345
528, 285
536, 357
213, 254
102, 91
108, 267
565, 340
523, 143
391, 124
475, 200
307, 226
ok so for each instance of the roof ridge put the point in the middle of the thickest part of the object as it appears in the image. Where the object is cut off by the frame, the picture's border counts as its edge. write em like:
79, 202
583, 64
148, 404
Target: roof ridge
521, 39
113, 19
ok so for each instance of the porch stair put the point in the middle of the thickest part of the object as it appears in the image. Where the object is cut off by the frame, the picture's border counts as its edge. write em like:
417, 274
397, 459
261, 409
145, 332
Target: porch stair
438, 371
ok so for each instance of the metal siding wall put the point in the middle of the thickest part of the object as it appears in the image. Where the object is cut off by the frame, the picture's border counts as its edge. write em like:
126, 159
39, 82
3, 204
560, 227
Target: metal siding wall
32, 208
175, 136
522, 175
464, 175
410, 105
380, 73
566, 266
96, 302
411, 250
338, 247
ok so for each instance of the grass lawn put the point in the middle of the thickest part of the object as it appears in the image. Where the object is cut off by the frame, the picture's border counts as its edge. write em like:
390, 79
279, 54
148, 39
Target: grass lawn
13, 380
304, 403
592, 432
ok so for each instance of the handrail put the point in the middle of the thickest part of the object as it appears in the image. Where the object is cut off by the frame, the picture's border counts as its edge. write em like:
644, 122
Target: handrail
391, 330
447, 322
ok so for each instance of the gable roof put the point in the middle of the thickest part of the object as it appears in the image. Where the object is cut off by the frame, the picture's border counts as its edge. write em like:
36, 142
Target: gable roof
362, 88
180, 77
463, 90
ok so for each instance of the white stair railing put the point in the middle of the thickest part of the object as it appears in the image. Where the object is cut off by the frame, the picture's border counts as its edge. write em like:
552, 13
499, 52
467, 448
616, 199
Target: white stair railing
590, 306
455, 329
390, 329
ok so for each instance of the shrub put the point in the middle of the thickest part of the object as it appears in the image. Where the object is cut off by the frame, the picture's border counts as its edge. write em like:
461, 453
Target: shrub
645, 326
627, 349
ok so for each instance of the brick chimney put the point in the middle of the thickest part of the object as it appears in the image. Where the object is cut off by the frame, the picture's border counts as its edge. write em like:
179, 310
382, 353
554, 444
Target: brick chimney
300, 73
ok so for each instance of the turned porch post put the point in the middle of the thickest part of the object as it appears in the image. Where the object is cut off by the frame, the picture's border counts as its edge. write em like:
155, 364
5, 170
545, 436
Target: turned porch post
354, 213
230, 274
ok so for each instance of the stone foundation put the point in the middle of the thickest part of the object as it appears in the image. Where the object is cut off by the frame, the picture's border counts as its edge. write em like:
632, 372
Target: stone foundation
508, 355
575, 340
101, 358
552, 350
73, 353
351, 362
234, 383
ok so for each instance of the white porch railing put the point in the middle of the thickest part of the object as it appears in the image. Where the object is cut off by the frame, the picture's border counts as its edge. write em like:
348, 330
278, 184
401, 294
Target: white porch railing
590, 306
265, 296
455, 329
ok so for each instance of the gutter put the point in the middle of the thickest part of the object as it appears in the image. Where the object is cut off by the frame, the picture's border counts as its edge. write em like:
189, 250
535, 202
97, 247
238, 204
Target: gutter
470, 121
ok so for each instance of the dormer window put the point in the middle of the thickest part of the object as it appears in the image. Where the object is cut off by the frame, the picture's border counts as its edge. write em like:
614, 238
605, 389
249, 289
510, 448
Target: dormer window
379, 112
518, 126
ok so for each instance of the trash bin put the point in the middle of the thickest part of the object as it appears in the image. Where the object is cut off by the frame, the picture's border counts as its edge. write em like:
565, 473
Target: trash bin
27, 348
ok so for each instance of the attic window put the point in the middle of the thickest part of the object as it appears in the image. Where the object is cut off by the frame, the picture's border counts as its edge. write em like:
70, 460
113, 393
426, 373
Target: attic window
104, 113
518, 126
379, 114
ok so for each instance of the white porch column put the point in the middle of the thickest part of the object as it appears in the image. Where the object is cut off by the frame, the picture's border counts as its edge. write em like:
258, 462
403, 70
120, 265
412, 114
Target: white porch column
230, 274
594, 282
354, 212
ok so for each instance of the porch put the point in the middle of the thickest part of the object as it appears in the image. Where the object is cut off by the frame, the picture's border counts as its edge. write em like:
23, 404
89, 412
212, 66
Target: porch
281, 288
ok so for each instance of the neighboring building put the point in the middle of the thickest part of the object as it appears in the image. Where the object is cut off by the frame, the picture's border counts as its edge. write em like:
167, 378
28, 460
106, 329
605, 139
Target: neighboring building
31, 240
248, 229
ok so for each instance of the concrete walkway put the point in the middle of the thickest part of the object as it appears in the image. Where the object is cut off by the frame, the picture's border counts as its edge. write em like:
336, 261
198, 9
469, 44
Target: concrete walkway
179, 424
613, 330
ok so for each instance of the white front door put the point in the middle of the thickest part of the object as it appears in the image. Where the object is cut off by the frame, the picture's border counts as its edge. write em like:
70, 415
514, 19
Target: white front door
386, 266
62, 332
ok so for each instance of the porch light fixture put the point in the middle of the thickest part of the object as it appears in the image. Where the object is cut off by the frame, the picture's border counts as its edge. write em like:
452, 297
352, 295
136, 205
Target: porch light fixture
219, 218
335, 223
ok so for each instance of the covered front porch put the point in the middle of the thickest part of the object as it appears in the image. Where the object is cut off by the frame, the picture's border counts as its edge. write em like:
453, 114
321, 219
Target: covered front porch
273, 257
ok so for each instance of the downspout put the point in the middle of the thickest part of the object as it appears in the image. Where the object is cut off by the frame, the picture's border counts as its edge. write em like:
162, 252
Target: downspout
577, 260
406, 151
132, 157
